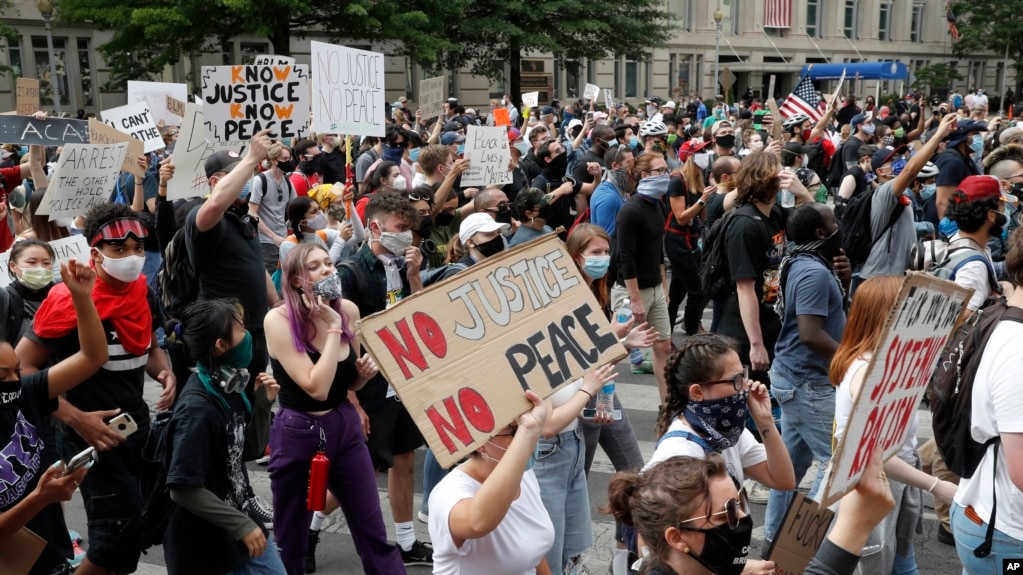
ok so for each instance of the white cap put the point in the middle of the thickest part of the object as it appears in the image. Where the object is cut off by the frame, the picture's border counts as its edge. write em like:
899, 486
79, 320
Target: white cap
574, 122
478, 222
669, 104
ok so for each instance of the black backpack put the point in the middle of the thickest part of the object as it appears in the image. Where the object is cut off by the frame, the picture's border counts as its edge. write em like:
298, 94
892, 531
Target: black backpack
177, 281
837, 171
817, 160
13, 316
951, 398
715, 276
857, 236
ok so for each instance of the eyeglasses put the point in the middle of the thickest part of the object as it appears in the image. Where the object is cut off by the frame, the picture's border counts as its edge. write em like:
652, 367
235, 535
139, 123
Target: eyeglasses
738, 381
731, 512
659, 171
500, 208
119, 229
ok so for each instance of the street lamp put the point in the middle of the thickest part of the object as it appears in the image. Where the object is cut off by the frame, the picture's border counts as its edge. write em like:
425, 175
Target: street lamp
46, 8
718, 16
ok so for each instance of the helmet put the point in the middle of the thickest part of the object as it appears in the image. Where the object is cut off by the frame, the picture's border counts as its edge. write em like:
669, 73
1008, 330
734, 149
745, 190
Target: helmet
653, 128
794, 120
928, 171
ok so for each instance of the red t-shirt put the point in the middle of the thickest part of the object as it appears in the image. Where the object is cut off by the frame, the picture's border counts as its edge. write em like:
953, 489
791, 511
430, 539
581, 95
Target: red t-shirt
304, 183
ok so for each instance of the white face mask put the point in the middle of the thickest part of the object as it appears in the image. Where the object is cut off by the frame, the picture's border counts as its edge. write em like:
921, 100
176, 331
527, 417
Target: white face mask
399, 183
126, 269
317, 222
757, 145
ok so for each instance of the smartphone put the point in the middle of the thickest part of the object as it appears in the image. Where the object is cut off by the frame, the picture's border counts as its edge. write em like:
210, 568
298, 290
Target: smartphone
123, 424
77, 462
591, 412
589, 116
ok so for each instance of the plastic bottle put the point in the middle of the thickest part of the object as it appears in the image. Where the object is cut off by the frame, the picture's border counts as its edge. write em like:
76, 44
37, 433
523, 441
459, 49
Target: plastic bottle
606, 398
788, 199
623, 314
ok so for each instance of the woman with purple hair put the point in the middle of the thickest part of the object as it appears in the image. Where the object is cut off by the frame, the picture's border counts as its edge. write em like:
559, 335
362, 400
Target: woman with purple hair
315, 357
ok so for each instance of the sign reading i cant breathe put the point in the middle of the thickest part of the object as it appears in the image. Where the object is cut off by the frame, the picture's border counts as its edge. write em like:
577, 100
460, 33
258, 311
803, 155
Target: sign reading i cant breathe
462, 353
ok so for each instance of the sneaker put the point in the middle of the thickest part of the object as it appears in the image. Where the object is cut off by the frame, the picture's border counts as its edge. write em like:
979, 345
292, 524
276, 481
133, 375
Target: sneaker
78, 554
419, 554
310, 551
757, 492
945, 536
260, 508
646, 367
266, 456
423, 518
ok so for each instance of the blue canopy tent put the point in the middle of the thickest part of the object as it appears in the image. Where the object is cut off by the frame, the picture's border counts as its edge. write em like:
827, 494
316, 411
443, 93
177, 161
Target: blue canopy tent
862, 71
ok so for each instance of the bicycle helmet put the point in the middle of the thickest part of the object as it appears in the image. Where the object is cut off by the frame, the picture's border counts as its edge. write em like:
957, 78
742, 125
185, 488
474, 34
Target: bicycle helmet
928, 171
794, 120
653, 128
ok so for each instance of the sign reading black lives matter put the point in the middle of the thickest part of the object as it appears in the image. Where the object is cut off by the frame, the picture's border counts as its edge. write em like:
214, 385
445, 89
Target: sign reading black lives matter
239, 101
348, 91
489, 157
462, 353
84, 177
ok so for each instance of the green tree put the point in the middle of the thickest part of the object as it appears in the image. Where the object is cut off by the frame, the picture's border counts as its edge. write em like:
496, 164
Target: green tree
989, 27
493, 32
936, 77
150, 35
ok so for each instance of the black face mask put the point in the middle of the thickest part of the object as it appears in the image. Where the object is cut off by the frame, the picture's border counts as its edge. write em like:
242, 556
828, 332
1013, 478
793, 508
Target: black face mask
494, 246
444, 219
999, 225
10, 391
555, 170
312, 166
1017, 189
725, 549
288, 166
425, 226
504, 217
727, 142
832, 246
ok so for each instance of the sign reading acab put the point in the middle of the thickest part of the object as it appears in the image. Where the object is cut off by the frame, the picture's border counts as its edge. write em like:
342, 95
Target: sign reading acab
462, 353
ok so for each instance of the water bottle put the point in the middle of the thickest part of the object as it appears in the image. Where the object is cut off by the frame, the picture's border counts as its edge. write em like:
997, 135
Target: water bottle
623, 314
788, 199
316, 496
606, 398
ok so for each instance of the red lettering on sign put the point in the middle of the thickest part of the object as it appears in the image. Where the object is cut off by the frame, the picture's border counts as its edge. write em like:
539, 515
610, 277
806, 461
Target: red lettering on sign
476, 411
431, 334
409, 351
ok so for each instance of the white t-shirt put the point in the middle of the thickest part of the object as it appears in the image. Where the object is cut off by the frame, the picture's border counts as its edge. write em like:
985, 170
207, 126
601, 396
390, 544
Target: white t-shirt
746, 453
844, 405
973, 274
521, 540
997, 408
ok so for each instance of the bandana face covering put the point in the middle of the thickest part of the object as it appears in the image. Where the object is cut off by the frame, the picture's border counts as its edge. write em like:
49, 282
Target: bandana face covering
721, 420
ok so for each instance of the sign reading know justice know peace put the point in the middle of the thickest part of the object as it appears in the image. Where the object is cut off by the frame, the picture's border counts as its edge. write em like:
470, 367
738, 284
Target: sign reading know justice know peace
462, 353
242, 100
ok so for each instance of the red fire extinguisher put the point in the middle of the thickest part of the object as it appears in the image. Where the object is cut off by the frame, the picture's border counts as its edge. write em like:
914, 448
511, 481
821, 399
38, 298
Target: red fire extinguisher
316, 498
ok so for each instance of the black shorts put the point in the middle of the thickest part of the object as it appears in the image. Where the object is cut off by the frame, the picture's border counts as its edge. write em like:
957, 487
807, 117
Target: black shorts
391, 432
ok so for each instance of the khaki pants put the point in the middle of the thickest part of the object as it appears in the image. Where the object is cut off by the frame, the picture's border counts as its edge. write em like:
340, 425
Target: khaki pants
932, 463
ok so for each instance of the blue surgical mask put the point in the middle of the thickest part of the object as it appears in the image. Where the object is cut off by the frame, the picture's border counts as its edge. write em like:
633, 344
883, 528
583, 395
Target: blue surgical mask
868, 129
461, 149
634, 142
246, 190
413, 154
596, 266
977, 144
927, 192
654, 187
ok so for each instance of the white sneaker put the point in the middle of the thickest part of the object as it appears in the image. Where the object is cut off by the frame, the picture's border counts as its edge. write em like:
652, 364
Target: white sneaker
423, 518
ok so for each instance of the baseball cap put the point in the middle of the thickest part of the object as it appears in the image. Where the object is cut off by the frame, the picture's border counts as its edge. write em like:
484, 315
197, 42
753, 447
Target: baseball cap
530, 199
547, 110
1010, 135
857, 120
479, 222
963, 130
513, 134
452, 126
977, 188
574, 122
398, 104
884, 155
223, 161
669, 104
449, 138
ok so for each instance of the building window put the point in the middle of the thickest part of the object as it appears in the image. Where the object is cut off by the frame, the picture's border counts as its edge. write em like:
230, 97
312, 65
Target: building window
916, 27
733, 15
813, 18
572, 79
884, 29
42, 60
85, 71
15, 51
631, 78
849, 23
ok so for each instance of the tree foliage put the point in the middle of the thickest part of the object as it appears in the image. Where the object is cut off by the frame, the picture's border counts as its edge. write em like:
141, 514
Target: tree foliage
936, 76
989, 26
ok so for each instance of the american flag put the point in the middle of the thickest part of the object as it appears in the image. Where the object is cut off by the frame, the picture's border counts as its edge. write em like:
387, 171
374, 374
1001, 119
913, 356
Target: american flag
802, 100
778, 14
952, 20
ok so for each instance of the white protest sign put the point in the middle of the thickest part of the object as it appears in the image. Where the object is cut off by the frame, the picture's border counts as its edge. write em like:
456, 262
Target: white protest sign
66, 248
136, 121
609, 100
591, 92
531, 99
190, 154
239, 101
85, 176
432, 94
489, 156
273, 60
348, 91
154, 94
919, 325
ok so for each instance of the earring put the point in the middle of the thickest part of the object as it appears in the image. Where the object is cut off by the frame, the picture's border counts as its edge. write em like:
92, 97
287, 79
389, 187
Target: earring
686, 550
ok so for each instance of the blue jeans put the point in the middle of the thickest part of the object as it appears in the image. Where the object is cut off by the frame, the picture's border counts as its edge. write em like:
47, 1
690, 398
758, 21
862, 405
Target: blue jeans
559, 470
269, 563
808, 413
432, 474
905, 565
151, 267
969, 536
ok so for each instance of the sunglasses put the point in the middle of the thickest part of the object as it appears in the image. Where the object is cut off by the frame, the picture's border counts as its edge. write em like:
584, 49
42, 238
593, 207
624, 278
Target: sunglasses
416, 197
500, 208
118, 231
738, 381
731, 512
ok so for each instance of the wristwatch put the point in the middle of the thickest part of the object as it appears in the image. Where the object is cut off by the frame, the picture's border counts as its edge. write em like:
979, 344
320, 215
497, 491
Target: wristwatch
700, 202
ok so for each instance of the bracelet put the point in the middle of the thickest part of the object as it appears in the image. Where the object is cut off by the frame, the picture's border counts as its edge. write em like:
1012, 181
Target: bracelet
336, 330
586, 392
935, 484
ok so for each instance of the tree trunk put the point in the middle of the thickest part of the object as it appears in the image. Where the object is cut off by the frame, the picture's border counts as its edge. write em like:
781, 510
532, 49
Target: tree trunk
515, 79
280, 34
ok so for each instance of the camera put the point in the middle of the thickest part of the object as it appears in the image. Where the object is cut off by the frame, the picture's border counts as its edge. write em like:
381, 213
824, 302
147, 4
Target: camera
427, 247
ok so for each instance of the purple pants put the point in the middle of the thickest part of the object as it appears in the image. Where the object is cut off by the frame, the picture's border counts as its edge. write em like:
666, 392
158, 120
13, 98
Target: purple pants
294, 439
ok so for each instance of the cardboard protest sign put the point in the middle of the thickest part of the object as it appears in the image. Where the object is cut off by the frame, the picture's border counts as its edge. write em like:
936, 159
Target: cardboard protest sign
190, 154
100, 133
26, 96
489, 154
918, 327
531, 99
273, 60
154, 94
523, 319
432, 94
241, 100
75, 246
502, 117
348, 90
19, 552
84, 177
609, 100
175, 106
27, 131
591, 92
136, 121
801, 534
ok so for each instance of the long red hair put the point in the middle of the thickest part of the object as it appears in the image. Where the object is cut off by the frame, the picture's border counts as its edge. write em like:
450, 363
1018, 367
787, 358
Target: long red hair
869, 310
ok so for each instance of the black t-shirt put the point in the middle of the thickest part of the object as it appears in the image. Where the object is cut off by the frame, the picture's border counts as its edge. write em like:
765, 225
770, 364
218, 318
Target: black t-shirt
677, 189
229, 261
581, 175
953, 168
639, 228
714, 209
293, 396
851, 151
205, 450
118, 384
756, 246
23, 460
